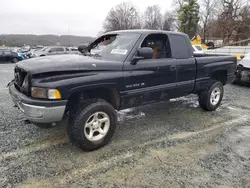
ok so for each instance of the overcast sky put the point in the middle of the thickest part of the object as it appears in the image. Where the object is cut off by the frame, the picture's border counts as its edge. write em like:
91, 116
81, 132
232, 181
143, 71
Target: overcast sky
77, 17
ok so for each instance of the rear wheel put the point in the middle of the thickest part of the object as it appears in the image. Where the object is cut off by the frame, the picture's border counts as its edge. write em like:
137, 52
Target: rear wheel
92, 125
211, 98
14, 60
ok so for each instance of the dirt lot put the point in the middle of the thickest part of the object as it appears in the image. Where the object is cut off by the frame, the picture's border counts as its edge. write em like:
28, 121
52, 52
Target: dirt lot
173, 144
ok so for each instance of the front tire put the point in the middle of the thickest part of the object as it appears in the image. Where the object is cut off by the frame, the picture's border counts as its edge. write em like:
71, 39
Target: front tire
92, 125
211, 98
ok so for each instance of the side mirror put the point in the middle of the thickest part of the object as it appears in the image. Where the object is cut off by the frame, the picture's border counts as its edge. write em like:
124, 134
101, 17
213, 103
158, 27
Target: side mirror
146, 52
143, 53
242, 57
82, 48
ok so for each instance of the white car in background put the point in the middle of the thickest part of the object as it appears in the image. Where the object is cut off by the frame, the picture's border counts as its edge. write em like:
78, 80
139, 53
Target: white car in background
198, 50
243, 70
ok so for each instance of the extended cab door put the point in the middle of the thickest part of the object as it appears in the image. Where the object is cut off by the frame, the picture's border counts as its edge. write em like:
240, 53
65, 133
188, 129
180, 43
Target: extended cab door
186, 64
153, 79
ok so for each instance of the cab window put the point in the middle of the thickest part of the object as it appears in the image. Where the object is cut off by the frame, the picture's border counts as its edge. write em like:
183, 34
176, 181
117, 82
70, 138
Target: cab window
179, 46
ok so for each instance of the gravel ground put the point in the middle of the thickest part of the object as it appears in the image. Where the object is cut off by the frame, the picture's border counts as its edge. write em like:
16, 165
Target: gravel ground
173, 144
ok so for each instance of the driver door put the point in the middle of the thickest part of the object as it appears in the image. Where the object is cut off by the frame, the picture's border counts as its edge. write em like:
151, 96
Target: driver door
151, 80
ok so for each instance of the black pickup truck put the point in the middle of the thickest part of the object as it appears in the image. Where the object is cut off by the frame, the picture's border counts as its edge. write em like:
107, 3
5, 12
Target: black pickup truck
136, 67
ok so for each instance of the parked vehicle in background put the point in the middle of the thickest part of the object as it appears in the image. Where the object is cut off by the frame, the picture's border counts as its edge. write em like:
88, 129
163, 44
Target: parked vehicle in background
19, 52
52, 50
243, 70
138, 67
7, 55
73, 49
38, 47
25, 49
198, 50
30, 53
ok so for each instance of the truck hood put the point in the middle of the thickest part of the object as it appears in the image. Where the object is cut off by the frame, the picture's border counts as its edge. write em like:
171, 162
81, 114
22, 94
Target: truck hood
67, 62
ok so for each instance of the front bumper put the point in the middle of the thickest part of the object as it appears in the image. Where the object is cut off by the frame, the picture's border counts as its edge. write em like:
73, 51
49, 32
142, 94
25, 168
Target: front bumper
38, 111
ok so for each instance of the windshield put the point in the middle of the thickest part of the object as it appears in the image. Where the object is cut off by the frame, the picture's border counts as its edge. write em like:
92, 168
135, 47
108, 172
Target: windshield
115, 47
247, 56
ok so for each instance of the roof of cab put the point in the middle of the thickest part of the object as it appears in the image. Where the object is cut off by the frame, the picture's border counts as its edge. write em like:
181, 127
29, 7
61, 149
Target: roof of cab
141, 31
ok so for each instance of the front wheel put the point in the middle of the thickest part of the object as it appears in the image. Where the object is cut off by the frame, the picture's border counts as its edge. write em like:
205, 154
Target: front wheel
211, 98
92, 125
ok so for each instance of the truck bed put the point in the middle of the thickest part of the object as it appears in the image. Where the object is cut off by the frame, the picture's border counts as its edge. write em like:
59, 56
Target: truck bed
208, 64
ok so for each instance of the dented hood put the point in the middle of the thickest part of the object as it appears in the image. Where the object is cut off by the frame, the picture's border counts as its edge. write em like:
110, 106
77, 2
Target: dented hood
68, 62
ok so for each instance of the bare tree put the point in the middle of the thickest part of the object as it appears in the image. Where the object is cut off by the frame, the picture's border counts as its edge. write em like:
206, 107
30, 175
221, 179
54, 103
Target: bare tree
122, 16
228, 18
243, 24
207, 14
168, 21
153, 17
178, 3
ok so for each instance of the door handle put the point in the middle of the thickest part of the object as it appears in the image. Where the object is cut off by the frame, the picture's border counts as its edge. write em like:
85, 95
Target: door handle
172, 68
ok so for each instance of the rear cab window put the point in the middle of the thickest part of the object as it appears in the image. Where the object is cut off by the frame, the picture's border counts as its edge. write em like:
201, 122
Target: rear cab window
179, 47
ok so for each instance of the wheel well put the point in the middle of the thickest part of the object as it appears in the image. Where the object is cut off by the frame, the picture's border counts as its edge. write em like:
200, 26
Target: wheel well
111, 95
220, 76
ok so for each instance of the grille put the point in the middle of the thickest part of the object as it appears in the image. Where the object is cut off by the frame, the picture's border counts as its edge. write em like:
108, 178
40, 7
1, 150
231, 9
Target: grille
20, 75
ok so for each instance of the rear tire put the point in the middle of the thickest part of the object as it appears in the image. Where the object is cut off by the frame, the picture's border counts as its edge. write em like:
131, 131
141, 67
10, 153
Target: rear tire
92, 125
210, 99
14, 60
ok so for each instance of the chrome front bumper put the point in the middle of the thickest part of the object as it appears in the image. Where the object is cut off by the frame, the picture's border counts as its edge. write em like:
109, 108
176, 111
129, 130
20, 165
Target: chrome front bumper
38, 111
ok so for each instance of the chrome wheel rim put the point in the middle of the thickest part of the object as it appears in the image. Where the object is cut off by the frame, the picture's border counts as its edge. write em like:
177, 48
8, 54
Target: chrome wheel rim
215, 96
97, 126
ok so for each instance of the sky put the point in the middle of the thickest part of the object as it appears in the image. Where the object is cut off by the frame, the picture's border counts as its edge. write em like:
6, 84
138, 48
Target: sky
62, 17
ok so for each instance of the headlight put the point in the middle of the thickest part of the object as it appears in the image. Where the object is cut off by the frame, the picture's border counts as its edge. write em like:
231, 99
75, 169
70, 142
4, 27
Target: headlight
43, 93
25, 82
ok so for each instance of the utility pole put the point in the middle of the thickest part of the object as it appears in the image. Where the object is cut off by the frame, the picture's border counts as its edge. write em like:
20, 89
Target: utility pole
69, 37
